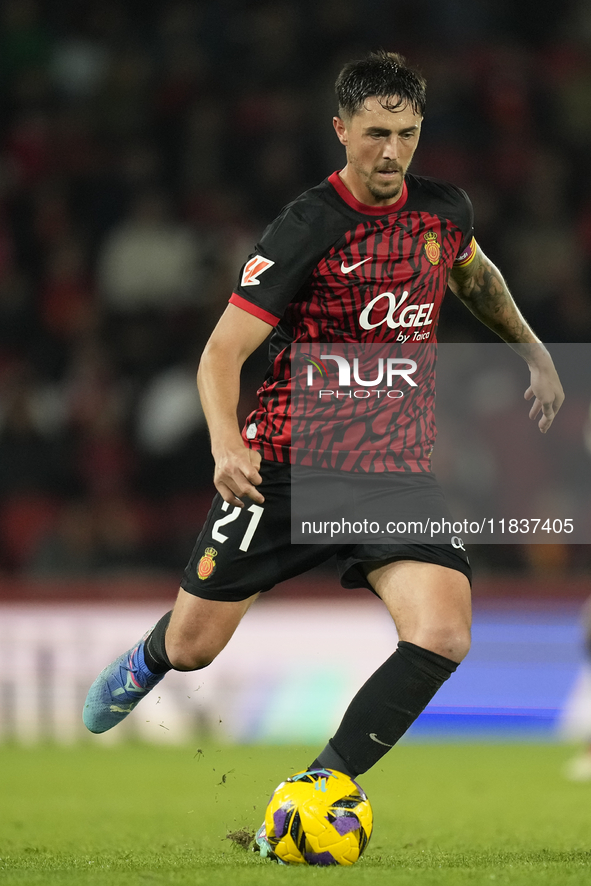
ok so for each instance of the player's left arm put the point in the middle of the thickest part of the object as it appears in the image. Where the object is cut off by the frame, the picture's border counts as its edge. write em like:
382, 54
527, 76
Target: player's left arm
481, 287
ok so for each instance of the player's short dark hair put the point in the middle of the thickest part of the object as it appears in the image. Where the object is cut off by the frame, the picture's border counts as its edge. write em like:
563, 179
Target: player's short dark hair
385, 75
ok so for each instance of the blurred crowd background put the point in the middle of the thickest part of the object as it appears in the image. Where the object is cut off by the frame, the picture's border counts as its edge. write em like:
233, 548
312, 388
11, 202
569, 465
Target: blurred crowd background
143, 148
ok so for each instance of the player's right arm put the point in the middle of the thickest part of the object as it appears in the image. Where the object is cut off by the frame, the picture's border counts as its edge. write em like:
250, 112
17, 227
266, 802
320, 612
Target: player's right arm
237, 334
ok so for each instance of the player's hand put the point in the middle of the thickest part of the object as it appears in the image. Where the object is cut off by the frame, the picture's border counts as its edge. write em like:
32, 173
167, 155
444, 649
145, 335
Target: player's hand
237, 475
547, 392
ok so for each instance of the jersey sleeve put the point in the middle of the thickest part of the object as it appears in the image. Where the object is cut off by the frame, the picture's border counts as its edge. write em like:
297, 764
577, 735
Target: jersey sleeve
283, 259
467, 248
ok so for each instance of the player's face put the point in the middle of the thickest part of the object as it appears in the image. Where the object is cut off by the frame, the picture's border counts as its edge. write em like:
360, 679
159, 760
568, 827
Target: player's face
380, 145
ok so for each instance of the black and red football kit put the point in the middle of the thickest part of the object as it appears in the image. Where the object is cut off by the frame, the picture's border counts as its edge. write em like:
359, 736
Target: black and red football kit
332, 270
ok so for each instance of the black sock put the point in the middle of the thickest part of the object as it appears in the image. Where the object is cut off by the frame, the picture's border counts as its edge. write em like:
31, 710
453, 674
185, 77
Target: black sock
385, 707
329, 759
154, 649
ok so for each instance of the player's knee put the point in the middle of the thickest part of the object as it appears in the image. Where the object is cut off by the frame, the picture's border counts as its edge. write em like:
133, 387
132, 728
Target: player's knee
451, 641
459, 644
454, 641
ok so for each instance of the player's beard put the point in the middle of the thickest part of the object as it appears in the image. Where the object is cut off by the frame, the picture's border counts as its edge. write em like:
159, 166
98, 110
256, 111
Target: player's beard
385, 190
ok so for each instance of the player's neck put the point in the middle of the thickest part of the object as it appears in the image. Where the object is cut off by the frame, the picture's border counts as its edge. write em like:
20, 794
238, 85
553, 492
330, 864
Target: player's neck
359, 190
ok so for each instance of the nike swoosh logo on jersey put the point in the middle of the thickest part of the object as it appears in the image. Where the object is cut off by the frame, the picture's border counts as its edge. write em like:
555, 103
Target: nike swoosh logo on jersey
374, 737
347, 270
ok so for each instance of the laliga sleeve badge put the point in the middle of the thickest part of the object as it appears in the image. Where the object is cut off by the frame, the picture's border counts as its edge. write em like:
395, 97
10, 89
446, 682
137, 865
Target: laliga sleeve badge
253, 269
206, 565
432, 247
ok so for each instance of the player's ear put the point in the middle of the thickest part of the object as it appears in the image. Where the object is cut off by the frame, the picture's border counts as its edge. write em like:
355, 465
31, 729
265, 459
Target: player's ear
340, 129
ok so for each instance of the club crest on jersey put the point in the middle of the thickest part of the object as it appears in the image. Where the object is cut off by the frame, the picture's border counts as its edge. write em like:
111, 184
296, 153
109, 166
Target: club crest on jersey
432, 247
253, 269
206, 565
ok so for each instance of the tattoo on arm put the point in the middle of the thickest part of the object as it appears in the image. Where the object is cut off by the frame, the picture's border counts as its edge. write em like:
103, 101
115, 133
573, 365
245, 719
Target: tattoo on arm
480, 285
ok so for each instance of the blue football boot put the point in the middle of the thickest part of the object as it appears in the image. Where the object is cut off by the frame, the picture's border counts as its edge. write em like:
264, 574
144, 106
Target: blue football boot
262, 845
117, 690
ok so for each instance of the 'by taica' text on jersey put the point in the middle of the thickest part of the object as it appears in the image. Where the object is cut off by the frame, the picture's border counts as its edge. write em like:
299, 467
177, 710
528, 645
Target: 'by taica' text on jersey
342, 281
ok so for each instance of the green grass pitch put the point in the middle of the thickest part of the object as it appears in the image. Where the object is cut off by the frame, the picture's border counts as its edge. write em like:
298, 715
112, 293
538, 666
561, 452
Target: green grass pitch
143, 816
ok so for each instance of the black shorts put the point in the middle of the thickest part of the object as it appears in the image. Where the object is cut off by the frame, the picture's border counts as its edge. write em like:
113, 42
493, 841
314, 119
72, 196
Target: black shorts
241, 551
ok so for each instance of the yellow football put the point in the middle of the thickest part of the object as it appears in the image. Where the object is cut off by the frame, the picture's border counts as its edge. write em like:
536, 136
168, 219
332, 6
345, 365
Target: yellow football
319, 817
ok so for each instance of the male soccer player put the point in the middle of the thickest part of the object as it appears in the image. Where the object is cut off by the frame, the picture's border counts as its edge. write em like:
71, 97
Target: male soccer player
333, 267
578, 768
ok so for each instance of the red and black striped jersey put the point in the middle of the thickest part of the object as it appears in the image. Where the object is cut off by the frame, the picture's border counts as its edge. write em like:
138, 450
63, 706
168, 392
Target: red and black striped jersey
330, 270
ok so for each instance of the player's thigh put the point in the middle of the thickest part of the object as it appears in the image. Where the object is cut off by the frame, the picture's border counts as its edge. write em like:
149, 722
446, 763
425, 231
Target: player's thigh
200, 628
241, 551
430, 604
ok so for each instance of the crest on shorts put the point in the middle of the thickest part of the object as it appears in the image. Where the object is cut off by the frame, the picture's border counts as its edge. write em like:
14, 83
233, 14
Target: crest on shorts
432, 247
206, 565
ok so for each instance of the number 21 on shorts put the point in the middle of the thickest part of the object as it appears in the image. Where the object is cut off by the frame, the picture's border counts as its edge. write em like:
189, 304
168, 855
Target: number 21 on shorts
255, 511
